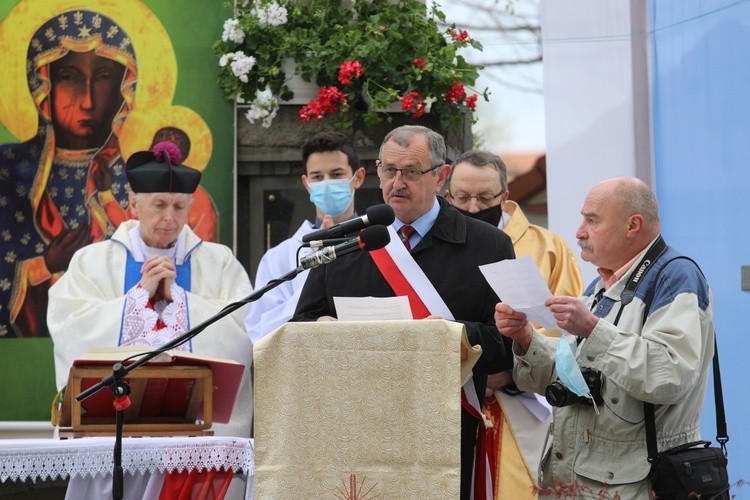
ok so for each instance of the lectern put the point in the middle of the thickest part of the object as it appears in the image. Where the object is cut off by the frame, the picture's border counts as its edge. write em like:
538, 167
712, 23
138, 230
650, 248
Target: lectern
360, 409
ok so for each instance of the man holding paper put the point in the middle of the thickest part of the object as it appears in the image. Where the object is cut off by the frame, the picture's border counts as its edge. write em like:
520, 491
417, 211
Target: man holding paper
433, 258
661, 355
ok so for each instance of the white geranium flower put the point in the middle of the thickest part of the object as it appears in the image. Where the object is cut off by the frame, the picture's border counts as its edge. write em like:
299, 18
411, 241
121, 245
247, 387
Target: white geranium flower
265, 97
264, 108
260, 13
224, 60
232, 31
255, 113
273, 14
242, 64
277, 15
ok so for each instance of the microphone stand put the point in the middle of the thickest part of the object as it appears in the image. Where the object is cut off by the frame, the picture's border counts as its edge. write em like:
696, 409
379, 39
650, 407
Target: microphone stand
116, 383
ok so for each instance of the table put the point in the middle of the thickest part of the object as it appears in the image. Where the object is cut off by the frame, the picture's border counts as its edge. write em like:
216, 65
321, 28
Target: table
148, 462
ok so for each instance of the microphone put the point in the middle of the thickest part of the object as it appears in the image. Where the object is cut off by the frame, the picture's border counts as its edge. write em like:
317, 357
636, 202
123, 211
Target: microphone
372, 238
377, 214
325, 243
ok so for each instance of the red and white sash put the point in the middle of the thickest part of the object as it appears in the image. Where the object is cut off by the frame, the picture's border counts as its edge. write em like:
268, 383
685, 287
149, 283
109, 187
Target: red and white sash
405, 276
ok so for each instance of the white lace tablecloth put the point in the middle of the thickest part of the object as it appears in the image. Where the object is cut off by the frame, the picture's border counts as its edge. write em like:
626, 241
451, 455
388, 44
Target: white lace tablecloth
91, 457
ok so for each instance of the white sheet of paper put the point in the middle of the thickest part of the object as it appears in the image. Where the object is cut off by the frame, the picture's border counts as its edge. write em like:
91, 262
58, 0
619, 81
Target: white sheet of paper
372, 308
519, 284
537, 405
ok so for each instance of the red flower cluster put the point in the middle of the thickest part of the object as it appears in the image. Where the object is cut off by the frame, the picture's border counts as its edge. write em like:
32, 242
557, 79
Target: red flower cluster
420, 63
413, 103
462, 36
348, 70
456, 93
329, 100
471, 101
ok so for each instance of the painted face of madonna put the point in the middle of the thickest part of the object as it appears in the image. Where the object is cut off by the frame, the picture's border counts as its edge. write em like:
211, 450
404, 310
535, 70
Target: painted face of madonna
85, 98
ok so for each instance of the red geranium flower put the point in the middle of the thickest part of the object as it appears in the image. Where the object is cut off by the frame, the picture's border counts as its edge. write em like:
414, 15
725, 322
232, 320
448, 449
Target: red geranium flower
350, 69
420, 63
419, 110
456, 93
328, 103
471, 101
407, 103
462, 36
413, 103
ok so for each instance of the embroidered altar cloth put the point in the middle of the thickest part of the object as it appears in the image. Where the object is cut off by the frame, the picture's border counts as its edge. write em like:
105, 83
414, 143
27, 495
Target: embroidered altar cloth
92, 459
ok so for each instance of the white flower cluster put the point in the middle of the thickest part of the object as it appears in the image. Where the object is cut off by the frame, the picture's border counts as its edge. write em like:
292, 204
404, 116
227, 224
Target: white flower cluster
232, 31
241, 64
263, 108
273, 14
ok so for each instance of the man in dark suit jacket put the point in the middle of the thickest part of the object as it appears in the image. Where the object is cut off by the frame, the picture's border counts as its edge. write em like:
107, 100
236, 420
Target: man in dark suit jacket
448, 248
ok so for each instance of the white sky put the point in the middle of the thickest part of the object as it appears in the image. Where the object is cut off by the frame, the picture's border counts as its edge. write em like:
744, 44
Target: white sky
513, 119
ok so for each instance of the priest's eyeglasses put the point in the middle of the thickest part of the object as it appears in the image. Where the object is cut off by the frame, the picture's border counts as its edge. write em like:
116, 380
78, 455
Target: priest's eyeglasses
407, 174
483, 200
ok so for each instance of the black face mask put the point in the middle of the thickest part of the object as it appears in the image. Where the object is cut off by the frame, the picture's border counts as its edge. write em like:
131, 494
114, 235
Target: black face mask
490, 215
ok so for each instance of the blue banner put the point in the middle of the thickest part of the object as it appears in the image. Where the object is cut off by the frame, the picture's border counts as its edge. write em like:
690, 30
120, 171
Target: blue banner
701, 131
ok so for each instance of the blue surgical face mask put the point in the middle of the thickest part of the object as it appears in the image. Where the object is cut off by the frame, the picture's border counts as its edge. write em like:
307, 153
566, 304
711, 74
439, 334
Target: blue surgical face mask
568, 370
332, 197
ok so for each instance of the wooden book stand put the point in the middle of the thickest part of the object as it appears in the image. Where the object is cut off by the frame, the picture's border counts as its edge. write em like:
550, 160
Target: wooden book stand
165, 401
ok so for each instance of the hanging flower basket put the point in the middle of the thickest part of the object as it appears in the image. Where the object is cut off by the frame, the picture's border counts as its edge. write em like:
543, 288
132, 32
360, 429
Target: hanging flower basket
363, 57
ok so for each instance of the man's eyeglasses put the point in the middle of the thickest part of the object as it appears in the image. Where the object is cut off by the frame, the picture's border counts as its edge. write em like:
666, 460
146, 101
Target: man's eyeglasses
482, 199
407, 174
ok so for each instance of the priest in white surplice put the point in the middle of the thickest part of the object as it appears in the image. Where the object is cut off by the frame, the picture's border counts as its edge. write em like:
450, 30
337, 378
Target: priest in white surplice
153, 280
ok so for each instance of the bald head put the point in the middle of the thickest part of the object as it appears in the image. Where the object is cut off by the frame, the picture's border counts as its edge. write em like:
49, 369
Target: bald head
620, 219
632, 197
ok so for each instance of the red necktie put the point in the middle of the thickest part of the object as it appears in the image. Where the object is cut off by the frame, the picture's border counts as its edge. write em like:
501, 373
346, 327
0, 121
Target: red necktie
405, 232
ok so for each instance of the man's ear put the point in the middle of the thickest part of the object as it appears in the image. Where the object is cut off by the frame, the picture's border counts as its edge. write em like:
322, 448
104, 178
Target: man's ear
305, 183
359, 177
635, 224
133, 203
448, 196
442, 177
505, 196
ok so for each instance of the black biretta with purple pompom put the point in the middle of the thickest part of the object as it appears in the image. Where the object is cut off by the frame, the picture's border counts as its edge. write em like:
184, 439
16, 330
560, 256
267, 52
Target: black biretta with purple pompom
159, 171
